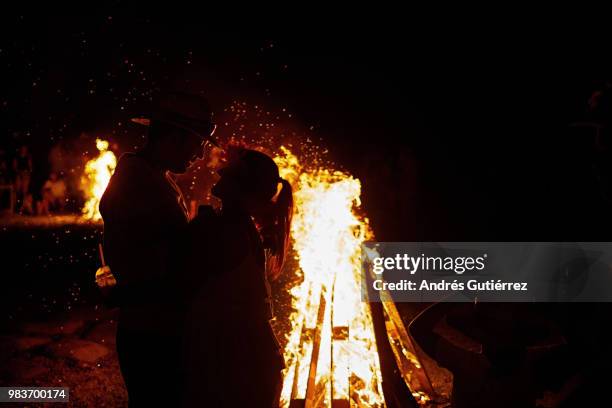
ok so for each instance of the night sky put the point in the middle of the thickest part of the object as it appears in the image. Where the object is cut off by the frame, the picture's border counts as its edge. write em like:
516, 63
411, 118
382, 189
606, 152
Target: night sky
454, 139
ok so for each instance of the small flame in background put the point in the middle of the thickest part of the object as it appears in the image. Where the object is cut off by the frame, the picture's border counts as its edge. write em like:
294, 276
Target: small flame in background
327, 236
98, 172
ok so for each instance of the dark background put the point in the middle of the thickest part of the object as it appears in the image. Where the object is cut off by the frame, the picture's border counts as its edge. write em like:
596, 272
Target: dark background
461, 138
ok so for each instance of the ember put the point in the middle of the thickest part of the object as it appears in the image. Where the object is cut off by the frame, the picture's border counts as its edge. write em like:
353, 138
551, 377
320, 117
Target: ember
98, 172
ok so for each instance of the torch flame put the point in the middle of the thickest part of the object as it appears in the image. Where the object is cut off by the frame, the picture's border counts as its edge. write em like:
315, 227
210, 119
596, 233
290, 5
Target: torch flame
98, 172
327, 236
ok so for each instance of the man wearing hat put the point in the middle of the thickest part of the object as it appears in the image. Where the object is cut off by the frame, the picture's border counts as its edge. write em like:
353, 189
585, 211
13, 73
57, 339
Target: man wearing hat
145, 216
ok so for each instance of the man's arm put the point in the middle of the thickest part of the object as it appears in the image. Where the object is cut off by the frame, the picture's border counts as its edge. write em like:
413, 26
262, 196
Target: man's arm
136, 231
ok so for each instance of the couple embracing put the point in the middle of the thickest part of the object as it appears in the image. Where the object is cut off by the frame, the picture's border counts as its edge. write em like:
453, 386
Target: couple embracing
193, 296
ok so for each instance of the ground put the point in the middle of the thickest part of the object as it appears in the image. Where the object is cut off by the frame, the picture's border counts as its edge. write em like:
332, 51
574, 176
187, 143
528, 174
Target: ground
75, 350
54, 329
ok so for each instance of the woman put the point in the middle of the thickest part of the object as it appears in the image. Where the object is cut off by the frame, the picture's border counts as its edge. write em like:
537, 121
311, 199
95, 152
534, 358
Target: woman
232, 356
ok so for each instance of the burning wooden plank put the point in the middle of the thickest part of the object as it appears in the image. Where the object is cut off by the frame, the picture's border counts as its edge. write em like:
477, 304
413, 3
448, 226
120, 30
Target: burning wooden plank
311, 397
406, 354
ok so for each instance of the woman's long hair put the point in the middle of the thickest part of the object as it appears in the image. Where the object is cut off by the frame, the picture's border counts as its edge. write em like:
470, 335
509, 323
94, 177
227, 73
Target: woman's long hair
274, 221
279, 229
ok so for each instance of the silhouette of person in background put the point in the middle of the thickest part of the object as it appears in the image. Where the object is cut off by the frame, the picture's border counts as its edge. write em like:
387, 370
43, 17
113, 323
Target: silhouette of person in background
233, 357
22, 166
53, 195
145, 218
7, 194
4, 168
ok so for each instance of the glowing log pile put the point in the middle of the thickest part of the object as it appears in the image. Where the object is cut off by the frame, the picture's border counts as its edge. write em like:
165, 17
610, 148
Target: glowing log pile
331, 352
98, 172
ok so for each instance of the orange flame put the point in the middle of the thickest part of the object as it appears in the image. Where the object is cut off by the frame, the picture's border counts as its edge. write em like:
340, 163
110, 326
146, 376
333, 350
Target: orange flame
98, 172
327, 236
